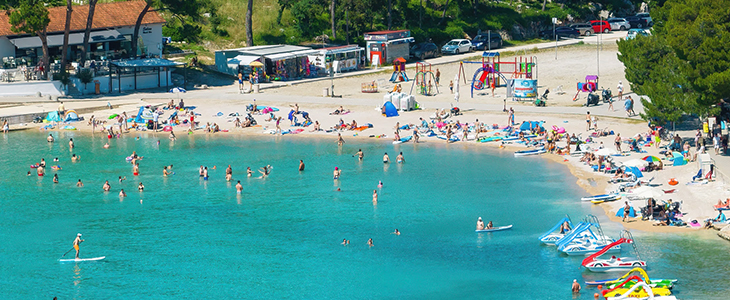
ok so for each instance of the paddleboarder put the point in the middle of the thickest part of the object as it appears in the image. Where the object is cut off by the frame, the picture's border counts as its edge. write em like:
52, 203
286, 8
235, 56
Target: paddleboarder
480, 224
76, 243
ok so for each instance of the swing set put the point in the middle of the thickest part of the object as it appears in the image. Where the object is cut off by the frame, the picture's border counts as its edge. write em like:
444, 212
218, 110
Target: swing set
424, 72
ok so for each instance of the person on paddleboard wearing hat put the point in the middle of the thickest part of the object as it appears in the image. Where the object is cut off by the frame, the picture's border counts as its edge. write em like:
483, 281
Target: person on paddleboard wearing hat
480, 224
77, 241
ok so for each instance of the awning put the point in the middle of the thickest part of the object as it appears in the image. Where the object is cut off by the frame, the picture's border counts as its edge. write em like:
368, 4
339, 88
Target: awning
243, 60
145, 63
73, 39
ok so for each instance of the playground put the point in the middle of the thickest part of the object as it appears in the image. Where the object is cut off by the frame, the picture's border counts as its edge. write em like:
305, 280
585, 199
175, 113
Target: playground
571, 67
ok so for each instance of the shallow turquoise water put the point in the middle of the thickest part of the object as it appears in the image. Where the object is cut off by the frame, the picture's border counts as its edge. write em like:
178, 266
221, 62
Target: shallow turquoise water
281, 237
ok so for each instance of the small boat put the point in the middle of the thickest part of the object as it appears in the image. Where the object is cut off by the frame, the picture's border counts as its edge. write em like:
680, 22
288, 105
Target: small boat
500, 228
638, 290
402, 140
490, 139
653, 282
615, 263
602, 198
530, 152
82, 259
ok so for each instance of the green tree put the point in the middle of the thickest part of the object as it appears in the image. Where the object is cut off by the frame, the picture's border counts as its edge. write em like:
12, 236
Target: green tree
31, 16
190, 8
684, 67
66, 30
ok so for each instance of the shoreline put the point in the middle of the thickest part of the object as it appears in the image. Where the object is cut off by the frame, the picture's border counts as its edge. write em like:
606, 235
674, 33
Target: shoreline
590, 182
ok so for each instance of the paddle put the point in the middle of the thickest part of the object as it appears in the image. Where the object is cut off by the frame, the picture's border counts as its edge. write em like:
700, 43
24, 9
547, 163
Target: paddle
69, 250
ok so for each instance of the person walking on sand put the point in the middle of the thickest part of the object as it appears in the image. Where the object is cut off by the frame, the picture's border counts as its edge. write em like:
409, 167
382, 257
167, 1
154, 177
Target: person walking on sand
617, 142
240, 83
511, 118
588, 121
451, 86
627, 211
76, 243
620, 90
278, 125
438, 77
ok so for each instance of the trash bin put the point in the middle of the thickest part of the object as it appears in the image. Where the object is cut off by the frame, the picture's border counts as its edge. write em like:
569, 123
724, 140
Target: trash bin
256, 88
97, 87
325, 92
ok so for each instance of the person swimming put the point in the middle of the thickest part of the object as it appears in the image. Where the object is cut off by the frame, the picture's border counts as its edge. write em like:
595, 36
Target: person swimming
370, 242
79, 183
55, 178
380, 184
396, 232
140, 187
265, 171
480, 224
106, 146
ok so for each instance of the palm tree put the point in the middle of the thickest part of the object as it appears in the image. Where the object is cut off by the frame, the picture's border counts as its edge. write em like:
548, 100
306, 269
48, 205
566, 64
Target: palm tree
87, 32
249, 30
332, 17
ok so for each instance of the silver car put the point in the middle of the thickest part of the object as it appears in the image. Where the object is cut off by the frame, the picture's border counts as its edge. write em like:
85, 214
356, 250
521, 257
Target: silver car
619, 24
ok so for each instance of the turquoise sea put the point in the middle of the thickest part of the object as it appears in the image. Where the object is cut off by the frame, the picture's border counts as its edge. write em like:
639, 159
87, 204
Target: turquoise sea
184, 237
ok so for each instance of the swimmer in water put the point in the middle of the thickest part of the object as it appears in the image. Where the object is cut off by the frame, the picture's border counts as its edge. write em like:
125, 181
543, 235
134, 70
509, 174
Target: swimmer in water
336, 173
106, 146
370, 242
239, 187
375, 196
71, 143
229, 177
396, 232
42, 163
135, 169
400, 158
50, 138
106, 187
340, 140
380, 184
301, 165
344, 242
205, 173
122, 194
201, 171
265, 171
338, 190
140, 187
79, 184
75, 158
249, 172
359, 154
386, 158
164, 171
55, 178
121, 179
55, 159
28, 173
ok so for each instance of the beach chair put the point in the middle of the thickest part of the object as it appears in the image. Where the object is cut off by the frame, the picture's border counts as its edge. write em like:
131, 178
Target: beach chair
698, 176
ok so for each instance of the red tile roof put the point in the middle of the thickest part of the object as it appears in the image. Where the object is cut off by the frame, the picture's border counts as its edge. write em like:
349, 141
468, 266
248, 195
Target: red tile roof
106, 15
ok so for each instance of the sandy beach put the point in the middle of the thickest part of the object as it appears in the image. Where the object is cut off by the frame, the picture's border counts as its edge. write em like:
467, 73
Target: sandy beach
572, 65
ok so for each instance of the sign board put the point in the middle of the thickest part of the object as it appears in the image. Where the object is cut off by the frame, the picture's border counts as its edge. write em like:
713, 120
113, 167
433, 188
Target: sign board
387, 35
523, 88
555, 20
376, 61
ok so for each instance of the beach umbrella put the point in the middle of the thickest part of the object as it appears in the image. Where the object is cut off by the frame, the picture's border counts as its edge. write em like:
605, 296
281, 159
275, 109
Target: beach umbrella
177, 90
651, 158
636, 163
635, 171
677, 154
645, 192
256, 64
605, 152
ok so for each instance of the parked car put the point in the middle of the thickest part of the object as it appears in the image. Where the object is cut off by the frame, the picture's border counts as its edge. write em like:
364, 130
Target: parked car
619, 24
600, 26
636, 31
424, 50
560, 32
457, 46
487, 41
647, 17
637, 22
584, 28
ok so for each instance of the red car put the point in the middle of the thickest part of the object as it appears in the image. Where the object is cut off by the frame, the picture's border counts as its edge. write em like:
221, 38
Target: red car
600, 26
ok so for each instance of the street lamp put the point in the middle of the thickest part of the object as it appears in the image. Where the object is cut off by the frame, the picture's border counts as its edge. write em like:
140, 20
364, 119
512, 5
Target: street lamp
555, 20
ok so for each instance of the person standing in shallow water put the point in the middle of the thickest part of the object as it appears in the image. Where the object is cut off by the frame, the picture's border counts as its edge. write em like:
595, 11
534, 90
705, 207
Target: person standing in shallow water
301, 165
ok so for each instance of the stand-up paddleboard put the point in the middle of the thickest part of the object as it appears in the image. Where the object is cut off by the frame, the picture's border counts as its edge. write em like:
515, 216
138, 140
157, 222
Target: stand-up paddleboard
82, 259
602, 198
402, 140
530, 152
496, 229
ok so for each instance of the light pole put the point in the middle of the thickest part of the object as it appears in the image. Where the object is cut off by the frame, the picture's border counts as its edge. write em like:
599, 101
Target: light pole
555, 20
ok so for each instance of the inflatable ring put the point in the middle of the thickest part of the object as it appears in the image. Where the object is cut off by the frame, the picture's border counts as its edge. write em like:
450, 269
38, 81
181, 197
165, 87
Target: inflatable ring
673, 181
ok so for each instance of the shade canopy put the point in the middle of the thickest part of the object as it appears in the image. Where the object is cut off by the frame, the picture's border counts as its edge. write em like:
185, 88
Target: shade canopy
73, 39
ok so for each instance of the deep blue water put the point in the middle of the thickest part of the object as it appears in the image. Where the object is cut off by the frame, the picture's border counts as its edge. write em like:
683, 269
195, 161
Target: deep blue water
184, 237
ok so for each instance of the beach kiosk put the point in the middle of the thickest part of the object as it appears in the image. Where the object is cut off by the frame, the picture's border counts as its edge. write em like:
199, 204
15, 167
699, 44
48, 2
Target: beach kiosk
385, 46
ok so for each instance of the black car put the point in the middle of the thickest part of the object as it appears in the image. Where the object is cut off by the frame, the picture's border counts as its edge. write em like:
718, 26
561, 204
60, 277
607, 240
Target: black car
424, 50
486, 41
637, 22
560, 32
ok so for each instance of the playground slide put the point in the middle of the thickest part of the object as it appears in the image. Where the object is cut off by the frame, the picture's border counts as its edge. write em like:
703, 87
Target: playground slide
394, 77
